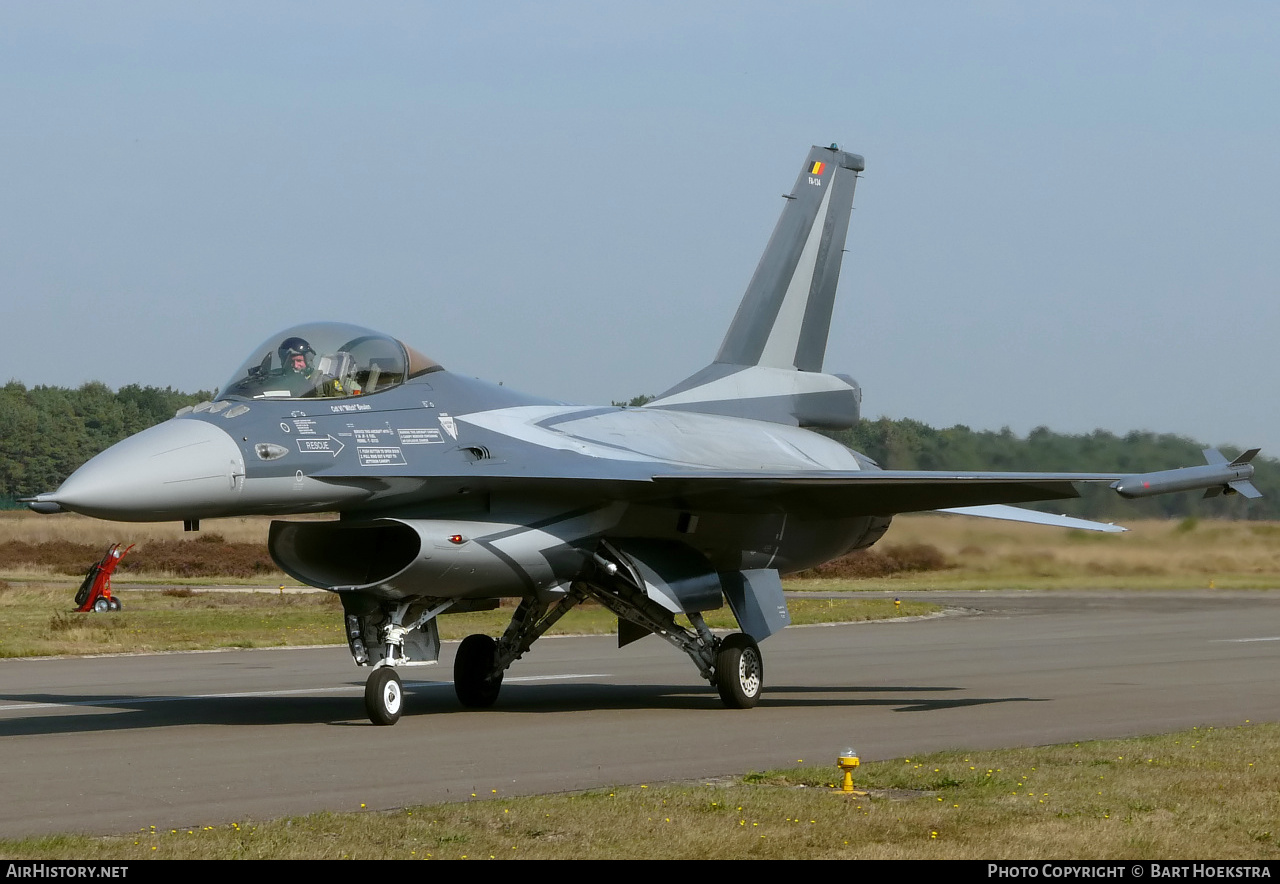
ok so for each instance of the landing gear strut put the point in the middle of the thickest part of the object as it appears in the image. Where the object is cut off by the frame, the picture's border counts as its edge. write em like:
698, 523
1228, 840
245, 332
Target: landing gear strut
388, 637
391, 636
481, 661
733, 663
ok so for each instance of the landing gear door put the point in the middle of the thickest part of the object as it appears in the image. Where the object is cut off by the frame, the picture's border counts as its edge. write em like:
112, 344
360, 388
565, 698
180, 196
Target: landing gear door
678, 578
757, 601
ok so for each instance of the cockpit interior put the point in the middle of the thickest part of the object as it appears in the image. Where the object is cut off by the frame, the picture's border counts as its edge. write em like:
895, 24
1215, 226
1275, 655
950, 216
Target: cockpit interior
325, 360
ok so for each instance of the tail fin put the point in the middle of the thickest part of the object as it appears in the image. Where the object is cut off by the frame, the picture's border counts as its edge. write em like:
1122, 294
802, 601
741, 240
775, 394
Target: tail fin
769, 366
1214, 457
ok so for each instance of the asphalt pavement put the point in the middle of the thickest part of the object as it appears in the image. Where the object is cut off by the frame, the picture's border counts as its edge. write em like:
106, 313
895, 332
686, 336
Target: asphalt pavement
115, 744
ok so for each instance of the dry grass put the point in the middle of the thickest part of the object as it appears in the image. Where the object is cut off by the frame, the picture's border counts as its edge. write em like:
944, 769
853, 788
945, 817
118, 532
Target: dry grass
985, 553
208, 556
31, 528
880, 561
921, 551
1201, 794
34, 546
1148, 548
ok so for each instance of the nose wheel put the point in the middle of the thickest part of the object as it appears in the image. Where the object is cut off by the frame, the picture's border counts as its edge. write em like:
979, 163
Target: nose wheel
384, 696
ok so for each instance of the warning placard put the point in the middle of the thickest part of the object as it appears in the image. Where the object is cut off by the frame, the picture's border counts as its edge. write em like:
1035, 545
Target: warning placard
381, 457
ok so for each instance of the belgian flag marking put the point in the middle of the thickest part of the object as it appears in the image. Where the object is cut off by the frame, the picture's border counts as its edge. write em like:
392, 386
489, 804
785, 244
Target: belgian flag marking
816, 168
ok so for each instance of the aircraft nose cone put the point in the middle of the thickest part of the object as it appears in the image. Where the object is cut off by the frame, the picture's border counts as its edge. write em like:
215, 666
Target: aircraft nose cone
181, 469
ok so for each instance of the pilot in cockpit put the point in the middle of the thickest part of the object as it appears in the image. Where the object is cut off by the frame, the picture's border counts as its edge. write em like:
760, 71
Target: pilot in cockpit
302, 377
295, 364
322, 361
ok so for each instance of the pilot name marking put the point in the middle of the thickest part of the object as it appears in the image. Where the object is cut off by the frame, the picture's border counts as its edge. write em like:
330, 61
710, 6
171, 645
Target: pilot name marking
353, 406
384, 456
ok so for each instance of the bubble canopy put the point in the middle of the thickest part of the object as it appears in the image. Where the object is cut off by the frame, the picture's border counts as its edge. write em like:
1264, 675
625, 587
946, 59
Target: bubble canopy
325, 360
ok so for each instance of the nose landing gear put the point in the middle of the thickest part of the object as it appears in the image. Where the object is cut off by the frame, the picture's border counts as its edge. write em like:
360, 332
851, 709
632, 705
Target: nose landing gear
384, 696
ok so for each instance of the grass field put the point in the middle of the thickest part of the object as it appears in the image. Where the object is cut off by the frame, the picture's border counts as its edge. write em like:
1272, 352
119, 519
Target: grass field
1211, 793
41, 557
983, 553
920, 551
38, 620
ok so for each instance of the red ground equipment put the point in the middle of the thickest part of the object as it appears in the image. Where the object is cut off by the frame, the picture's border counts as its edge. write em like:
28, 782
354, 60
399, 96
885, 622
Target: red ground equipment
95, 592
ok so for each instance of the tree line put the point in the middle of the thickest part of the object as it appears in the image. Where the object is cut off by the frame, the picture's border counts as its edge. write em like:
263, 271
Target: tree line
46, 432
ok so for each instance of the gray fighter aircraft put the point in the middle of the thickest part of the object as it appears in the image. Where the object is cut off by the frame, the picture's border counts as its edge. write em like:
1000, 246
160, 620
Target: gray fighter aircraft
453, 493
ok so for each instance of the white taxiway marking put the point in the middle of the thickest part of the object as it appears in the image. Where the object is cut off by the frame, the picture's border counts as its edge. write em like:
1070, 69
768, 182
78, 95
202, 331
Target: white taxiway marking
110, 701
1270, 638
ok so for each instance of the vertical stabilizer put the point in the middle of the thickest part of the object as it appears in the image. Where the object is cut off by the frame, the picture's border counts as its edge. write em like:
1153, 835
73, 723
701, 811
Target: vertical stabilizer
770, 363
785, 315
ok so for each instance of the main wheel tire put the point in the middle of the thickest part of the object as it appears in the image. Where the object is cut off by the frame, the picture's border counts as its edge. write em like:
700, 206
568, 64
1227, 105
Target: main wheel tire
102, 606
114, 604
472, 667
739, 671
384, 696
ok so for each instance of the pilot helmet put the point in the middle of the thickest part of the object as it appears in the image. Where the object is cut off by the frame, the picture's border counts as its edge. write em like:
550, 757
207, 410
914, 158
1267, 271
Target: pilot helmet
295, 346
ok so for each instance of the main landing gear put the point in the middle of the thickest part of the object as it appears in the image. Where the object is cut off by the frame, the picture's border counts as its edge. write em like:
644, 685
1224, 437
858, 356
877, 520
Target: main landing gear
476, 678
733, 663
739, 671
406, 634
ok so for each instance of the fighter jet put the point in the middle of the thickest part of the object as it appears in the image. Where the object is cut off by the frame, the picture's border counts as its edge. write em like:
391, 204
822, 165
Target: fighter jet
452, 493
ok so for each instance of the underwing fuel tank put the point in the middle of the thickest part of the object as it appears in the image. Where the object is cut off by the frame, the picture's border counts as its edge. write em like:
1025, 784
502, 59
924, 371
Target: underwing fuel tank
1216, 477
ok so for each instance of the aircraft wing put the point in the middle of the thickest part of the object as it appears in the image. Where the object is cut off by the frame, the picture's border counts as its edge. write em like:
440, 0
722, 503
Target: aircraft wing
820, 493
888, 492
828, 492
869, 492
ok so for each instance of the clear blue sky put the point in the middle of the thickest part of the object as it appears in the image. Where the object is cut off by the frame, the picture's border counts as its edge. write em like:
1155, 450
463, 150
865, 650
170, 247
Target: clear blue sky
1069, 215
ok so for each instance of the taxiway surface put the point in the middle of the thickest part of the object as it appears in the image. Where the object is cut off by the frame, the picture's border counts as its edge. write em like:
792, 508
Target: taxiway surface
117, 744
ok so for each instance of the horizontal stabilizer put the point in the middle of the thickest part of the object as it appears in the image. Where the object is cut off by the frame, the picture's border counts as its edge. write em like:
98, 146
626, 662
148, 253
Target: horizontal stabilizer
1017, 514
